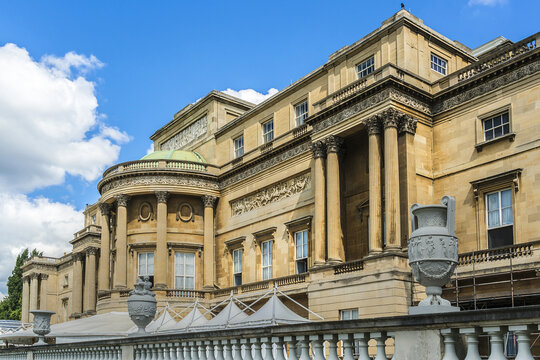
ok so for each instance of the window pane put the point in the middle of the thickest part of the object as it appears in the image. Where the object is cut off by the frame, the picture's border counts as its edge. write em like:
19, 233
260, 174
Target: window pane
498, 131
507, 216
502, 236
497, 121
493, 201
488, 124
506, 129
506, 198
493, 219
190, 283
489, 135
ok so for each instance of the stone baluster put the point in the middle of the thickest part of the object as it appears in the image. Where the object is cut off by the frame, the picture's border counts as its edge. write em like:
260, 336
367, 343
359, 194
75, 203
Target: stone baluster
362, 339
247, 349
267, 348
155, 348
164, 353
219, 350
317, 347
471, 334
303, 342
227, 353
380, 337
279, 348
210, 346
257, 354
393, 336
173, 351
144, 354
496, 342
180, 351
194, 350
187, 351
347, 341
138, 352
202, 350
523, 341
449, 344
236, 349
332, 346
292, 347
118, 353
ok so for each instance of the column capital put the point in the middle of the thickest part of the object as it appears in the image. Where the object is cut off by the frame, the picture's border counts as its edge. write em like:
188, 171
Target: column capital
122, 200
77, 256
92, 251
373, 125
208, 200
334, 144
408, 124
319, 149
34, 276
105, 209
391, 118
162, 196
44, 276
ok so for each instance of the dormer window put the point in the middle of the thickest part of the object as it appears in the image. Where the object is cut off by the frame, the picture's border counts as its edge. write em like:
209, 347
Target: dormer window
365, 68
438, 64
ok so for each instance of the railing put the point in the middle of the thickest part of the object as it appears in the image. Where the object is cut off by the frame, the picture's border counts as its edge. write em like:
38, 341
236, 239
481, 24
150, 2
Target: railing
419, 337
500, 57
300, 130
89, 229
255, 286
349, 90
158, 165
517, 250
181, 293
350, 266
290, 280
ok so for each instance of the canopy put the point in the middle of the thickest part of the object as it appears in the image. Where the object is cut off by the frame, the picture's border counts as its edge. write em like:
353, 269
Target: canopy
163, 322
223, 319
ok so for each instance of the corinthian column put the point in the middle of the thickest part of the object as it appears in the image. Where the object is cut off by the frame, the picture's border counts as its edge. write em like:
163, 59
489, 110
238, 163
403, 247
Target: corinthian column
90, 281
209, 253
25, 299
391, 179
77, 290
407, 172
375, 191
105, 253
43, 292
336, 251
34, 292
120, 273
161, 263
319, 224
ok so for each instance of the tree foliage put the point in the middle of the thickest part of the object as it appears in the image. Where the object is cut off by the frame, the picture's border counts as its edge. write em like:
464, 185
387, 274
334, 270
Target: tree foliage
11, 305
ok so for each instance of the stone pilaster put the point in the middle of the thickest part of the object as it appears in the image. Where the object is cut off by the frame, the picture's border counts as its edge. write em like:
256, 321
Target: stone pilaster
391, 119
43, 291
407, 173
25, 299
120, 273
162, 256
375, 190
77, 286
90, 281
336, 251
34, 294
209, 245
105, 253
319, 224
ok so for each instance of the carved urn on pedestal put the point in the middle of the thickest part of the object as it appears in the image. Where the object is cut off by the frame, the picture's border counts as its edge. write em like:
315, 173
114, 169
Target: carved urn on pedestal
42, 324
433, 252
142, 305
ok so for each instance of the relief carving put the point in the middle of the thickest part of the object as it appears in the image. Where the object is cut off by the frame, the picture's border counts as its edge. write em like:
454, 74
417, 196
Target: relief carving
160, 180
271, 194
186, 136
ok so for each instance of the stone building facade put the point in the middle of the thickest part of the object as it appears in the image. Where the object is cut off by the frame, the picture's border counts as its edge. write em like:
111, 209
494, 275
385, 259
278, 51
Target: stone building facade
311, 189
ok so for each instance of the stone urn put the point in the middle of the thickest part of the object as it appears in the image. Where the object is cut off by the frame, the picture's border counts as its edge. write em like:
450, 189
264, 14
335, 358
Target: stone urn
142, 305
42, 324
433, 252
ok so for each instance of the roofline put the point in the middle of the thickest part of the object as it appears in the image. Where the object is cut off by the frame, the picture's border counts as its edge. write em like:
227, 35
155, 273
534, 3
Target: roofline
214, 94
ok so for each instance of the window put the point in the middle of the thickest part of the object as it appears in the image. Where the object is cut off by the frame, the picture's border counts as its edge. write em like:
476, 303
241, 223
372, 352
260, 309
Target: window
301, 112
268, 131
94, 219
146, 265
348, 314
184, 270
65, 307
496, 126
499, 218
438, 64
301, 251
239, 146
237, 266
66, 280
365, 68
266, 254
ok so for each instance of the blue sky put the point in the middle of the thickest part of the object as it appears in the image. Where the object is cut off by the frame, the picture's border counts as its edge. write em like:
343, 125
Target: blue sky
136, 63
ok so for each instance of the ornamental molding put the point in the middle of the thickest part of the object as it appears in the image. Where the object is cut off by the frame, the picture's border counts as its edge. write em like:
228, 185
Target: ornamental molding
408, 125
162, 196
485, 87
92, 251
187, 135
179, 180
334, 144
271, 194
209, 200
318, 148
374, 125
122, 200
391, 118
105, 209
266, 164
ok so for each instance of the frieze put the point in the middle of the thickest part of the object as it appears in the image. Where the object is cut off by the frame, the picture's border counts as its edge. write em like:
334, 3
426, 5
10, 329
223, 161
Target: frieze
159, 180
186, 136
271, 194
263, 165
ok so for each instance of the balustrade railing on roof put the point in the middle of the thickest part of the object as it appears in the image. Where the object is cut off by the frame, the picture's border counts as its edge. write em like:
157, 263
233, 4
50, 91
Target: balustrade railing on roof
139, 165
182, 293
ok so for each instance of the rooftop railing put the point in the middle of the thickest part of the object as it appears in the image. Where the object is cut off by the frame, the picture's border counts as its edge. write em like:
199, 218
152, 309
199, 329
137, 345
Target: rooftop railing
171, 165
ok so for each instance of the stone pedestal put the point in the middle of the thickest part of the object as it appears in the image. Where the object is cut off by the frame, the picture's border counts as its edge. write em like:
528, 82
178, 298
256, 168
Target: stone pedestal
417, 345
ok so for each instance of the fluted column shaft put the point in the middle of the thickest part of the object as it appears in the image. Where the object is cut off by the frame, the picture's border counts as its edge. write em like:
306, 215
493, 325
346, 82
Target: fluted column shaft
34, 292
208, 242
391, 181
77, 290
319, 224
375, 191
161, 260
105, 253
90, 281
120, 273
25, 299
43, 292
336, 251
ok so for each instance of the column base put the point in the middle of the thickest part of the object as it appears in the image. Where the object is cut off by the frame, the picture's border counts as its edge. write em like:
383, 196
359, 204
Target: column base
334, 261
89, 313
393, 248
318, 265
76, 315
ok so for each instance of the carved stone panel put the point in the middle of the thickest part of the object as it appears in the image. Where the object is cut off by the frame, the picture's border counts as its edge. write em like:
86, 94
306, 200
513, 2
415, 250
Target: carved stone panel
186, 136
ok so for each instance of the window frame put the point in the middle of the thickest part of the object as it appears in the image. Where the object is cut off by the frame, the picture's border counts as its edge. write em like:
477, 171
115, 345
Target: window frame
500, 213
367, 70
145, 253
184, 276
305, 247
300, 120
437, 65
502, 125
351, 310
270, 255
235, 271
235, 149
265, 138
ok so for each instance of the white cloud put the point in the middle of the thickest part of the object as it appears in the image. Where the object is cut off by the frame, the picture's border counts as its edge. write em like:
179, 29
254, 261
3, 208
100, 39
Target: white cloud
487, 2
49, 121
150, 149
34, 223
251, 95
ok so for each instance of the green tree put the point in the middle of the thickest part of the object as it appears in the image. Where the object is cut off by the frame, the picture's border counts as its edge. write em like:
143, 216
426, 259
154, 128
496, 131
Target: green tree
11, 305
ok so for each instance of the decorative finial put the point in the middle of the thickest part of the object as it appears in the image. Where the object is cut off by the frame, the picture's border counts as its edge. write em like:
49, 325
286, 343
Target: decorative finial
402, 6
